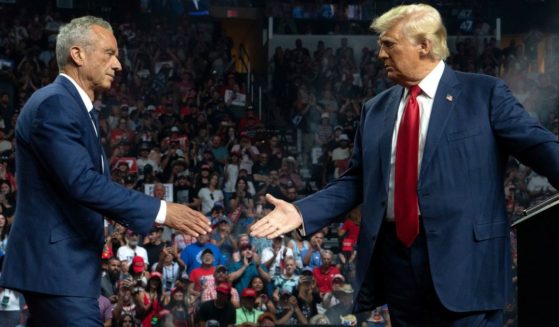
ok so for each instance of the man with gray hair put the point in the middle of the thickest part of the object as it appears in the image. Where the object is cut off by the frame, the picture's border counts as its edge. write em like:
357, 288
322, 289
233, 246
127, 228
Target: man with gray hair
65, 189
428, 166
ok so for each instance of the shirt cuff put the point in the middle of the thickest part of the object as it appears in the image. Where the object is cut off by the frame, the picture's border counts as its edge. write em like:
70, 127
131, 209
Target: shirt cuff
160, 219
300, 230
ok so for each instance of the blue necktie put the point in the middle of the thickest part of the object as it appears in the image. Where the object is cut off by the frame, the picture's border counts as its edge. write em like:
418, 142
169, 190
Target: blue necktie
94, 114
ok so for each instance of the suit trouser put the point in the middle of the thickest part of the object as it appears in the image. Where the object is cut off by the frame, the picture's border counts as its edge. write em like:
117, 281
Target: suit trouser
408, 284
52, 310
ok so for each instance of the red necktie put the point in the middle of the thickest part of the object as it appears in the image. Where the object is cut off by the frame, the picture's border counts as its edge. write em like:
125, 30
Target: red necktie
406, 172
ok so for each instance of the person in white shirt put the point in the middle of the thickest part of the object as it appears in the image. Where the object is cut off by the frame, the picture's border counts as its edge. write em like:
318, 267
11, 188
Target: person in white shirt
273, 256
131, 249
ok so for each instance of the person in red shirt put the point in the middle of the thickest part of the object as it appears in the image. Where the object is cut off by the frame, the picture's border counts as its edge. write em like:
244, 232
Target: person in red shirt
324, 274
348, 233
198, 275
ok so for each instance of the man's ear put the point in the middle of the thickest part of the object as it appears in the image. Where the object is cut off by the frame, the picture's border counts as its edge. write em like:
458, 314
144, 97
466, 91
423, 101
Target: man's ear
425, 47
77, 54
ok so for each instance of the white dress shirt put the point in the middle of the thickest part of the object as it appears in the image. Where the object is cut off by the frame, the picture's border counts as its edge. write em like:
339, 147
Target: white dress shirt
425, 100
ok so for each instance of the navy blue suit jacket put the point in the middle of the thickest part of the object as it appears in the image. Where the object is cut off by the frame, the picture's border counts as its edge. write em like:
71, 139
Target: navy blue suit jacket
57, 237
475, 124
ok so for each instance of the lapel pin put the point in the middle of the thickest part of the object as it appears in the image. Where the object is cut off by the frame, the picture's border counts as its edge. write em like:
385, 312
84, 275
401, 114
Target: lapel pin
449, 97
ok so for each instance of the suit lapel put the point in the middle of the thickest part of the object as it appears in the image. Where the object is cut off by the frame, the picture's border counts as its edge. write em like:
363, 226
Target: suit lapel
445, 98
98, 151
390, 115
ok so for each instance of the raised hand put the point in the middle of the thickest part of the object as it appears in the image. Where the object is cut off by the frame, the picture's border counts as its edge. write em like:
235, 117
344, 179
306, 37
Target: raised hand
283, 219
186, 220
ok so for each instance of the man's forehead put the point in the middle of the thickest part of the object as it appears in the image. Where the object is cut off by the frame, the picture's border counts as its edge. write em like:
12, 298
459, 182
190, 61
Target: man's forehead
389, 35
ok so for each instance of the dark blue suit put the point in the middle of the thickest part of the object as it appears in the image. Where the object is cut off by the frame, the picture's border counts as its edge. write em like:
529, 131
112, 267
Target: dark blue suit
475, 124
57, 236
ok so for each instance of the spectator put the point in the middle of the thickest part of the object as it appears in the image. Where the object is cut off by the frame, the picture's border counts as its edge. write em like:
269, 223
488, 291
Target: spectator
191, 255
324, 274
319, 319
248, 152
125, 305
247, 315
249, 122
178, 307
10, 308
126, 320
106, 310
261, 170
199, 275
131, 249
216, 215
288, 311
219, 309
312, 256
263, 301
209, 287
149, 299
349, 232
344, 293
231, 174
273, 257
169, 266
211, 194
324, 133
224, 239
272, 186
289, 176
297, 245
185, 192
137, 274
288, 280
4, 232
266, 320
341, 155
244, 240
110, 279
308, 295
242, 272
153, 244
275, 152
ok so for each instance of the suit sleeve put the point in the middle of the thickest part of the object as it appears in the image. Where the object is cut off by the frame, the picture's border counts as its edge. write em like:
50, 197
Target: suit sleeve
523, 136
58, 140
339, 196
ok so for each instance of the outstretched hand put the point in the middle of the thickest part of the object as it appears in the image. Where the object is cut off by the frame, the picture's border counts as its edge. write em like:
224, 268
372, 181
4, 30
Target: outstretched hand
186, 220
283, 219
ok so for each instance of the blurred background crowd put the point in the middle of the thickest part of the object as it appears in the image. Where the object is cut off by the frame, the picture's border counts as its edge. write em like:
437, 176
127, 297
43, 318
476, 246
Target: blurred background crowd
182, 123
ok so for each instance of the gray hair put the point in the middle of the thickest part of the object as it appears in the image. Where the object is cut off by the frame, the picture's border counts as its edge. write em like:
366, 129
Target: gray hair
327, 252
76, 32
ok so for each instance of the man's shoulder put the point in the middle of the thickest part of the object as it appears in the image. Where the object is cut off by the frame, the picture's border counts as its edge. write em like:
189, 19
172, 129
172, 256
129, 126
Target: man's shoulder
476, 80
384, 95
213, 247
235, 266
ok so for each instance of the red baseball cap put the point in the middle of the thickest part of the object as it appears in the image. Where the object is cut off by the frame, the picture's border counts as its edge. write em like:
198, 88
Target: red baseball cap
138, 264
224, 288
248, 292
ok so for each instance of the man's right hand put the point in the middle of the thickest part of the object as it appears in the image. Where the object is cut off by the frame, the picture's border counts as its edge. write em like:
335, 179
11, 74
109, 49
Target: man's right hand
186, 220
283, 219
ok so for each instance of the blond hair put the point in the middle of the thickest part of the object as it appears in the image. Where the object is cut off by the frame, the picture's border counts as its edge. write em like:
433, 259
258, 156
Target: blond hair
420, 22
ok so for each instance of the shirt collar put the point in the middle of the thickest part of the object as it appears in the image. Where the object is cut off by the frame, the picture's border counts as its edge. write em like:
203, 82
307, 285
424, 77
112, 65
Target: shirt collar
85, 98
430, 83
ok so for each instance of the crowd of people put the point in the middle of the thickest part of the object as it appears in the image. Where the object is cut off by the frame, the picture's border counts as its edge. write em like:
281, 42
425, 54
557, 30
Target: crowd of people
170, 129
